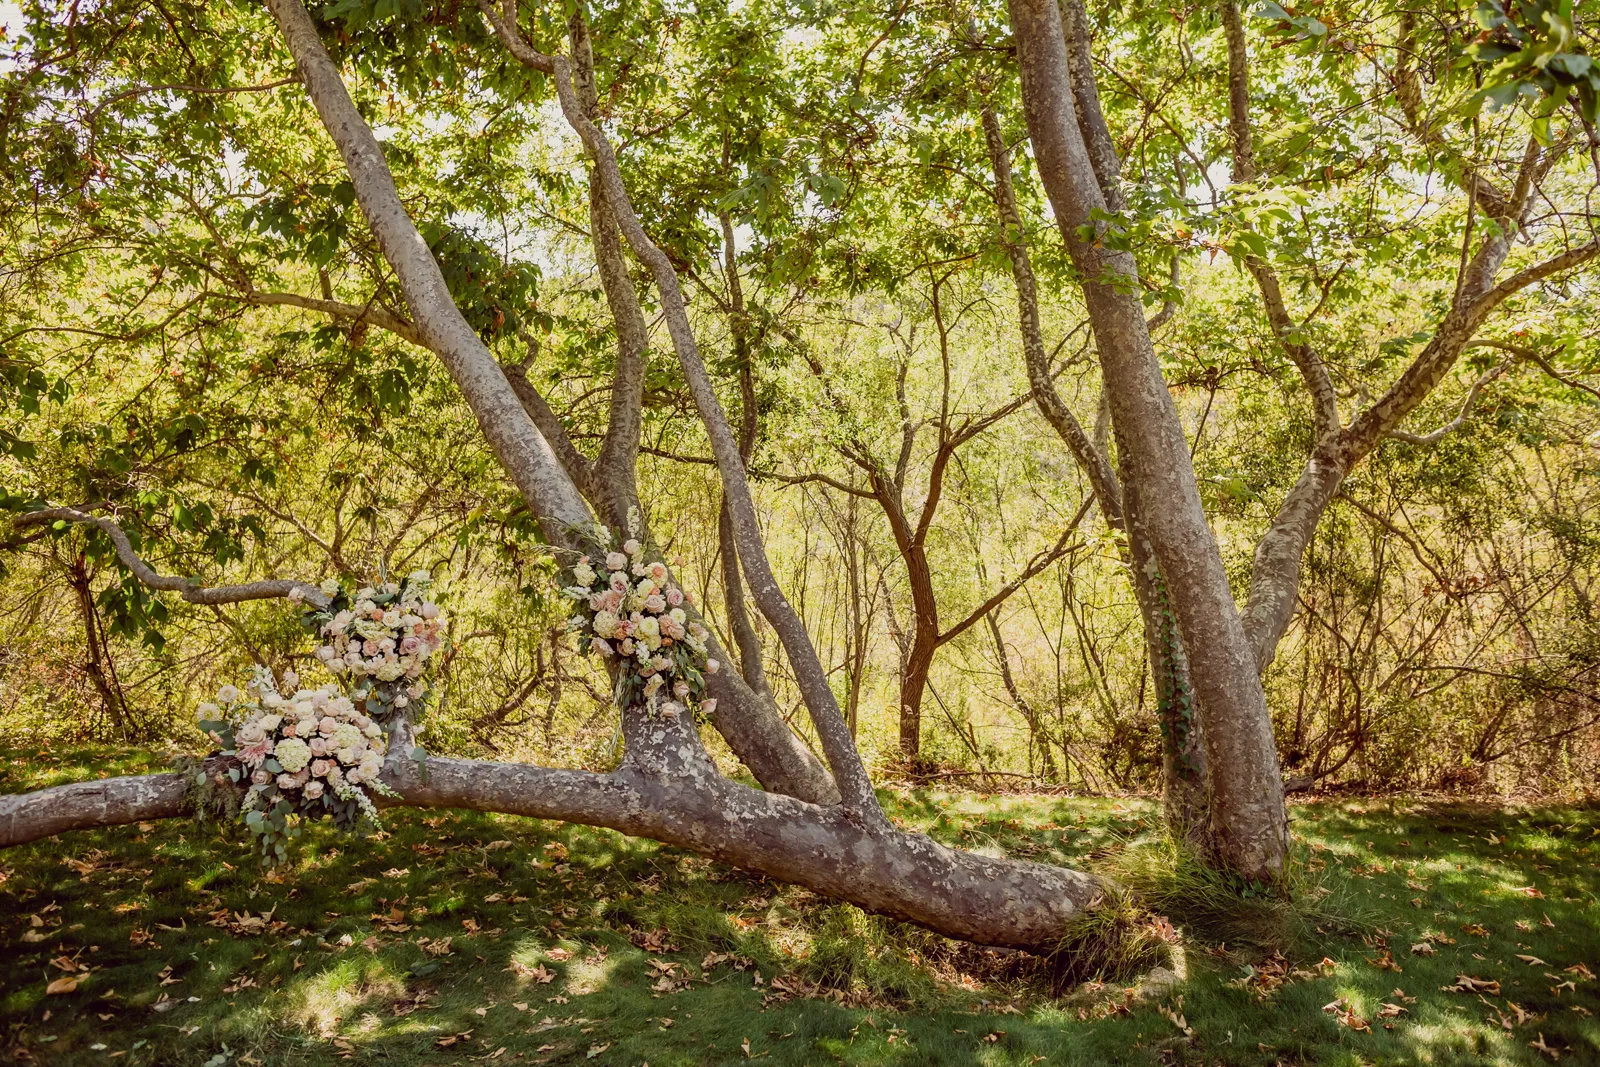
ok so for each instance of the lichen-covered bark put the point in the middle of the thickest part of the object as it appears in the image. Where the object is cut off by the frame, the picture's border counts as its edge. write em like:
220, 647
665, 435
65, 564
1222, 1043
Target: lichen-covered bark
668, 789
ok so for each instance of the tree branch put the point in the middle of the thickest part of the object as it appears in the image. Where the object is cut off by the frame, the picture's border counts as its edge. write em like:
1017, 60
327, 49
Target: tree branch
1572, 257
905, 876
1034, 567
523, 452
1540, 360
1461, 418
1324, 398
190, 590
372, 313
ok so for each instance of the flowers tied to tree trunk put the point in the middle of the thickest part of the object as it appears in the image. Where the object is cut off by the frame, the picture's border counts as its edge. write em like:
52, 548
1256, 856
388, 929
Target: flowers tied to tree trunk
312, 754
629, 609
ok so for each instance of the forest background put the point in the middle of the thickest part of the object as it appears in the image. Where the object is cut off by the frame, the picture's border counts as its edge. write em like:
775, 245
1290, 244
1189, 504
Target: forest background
192, 317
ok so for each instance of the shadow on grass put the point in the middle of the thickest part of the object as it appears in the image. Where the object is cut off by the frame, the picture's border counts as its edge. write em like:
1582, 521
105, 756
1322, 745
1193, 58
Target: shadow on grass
457, 935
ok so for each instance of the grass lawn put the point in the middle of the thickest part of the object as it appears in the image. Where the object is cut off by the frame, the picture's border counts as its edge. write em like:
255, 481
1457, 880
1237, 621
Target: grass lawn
464, 938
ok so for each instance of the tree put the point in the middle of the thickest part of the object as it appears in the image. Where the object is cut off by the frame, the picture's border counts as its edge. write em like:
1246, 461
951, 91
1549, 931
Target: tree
667, 787
1071, 145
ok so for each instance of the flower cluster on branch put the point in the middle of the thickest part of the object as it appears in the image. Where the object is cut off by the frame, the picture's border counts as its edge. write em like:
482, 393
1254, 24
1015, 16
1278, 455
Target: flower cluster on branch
311, 754
379, 641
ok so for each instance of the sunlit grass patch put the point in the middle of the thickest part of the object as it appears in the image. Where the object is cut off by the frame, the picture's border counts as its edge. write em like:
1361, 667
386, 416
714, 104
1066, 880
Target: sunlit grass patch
439, 944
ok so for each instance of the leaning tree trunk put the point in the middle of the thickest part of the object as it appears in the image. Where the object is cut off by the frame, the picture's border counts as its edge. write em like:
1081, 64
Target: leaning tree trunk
667, 786
668, 789
1249, 821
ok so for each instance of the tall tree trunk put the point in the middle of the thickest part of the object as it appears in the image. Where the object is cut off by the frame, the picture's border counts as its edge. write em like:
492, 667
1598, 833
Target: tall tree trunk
1248, 819
97, 661
1183, 758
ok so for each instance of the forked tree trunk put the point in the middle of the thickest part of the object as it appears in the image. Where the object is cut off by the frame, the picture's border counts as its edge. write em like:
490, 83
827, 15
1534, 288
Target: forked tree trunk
667, 788
1183, 752
1249, 821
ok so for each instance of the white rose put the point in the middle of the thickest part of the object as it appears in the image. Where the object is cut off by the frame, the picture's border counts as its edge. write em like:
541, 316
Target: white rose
313, 789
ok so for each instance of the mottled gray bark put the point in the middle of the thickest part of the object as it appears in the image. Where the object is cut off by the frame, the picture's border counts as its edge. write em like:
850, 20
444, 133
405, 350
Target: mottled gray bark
190, 590
1183, 758
1249, 822
668, 789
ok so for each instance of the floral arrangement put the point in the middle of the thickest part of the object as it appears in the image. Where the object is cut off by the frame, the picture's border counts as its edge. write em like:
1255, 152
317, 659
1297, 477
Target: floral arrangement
629, 610
378, 642
312, 754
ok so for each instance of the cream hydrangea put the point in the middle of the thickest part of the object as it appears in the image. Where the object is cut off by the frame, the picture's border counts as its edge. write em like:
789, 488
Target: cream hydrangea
293, 754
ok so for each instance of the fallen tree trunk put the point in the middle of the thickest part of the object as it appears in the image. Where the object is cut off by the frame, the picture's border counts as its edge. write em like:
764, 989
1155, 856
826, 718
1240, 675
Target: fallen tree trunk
668, 789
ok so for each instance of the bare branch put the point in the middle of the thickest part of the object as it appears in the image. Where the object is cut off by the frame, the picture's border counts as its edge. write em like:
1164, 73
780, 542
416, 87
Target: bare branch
1034, 567
1540, 360
175, 87
1461, 418
192, 591
1572, 257
354, 313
